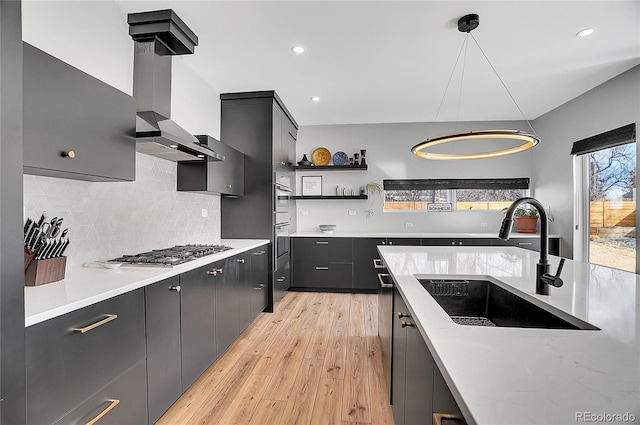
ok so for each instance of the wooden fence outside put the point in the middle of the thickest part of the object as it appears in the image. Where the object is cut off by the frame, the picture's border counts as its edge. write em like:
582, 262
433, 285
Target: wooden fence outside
611, 214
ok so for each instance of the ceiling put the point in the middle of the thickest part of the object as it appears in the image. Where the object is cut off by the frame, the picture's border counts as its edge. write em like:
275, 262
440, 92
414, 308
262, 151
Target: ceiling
390, 61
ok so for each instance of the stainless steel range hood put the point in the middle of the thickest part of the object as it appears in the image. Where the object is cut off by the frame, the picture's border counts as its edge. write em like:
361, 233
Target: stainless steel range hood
158, 36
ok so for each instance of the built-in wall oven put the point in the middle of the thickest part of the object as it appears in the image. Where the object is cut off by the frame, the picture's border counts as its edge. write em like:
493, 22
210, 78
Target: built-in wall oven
281, 224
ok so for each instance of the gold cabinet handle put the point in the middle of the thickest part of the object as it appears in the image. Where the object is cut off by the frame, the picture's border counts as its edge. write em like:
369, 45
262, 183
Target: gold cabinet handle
214, 272
69, 154
322, 268
322, 243
439, 418
401, 315
382, 284
228, 185
176, 288
259, 288
404, 324
240, 260
112, 405
106, 320
377, 263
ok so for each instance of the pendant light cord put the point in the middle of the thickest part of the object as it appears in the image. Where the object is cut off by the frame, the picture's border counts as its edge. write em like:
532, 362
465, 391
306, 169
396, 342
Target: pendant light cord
450, 78
503, 84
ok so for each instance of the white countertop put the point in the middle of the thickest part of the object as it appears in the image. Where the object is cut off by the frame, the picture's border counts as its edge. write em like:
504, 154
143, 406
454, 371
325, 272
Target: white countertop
530, 376
83, 286
341, 234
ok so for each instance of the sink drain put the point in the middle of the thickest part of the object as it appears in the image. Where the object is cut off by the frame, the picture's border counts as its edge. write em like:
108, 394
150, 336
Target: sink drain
472, 321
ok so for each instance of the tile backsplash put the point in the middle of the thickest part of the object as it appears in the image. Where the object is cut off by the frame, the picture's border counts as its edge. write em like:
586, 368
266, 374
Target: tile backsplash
106, 220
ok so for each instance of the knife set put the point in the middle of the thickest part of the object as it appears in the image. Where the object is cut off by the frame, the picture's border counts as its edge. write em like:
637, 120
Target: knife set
44, 244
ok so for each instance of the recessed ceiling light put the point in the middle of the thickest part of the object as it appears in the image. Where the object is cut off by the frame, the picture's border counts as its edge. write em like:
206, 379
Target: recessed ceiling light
297, 49
315, 99
585, 32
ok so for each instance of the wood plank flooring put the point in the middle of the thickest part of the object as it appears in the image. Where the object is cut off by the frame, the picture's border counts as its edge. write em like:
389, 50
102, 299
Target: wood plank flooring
316, 360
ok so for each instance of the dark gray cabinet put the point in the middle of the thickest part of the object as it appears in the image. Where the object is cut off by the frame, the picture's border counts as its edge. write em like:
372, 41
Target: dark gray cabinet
259, 281
198, 321
322, 263
259, 126
443, 401
243, 288
227, 303
281, 281
124, 400
75, 355
223, 177
164, 353
75, 126
365, 250
412, 370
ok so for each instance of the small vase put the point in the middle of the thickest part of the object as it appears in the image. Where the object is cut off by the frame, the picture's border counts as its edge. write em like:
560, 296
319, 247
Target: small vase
363, 153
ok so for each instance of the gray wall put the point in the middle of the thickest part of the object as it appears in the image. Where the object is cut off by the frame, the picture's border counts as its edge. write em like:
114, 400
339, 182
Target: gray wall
608, 106
389, 157
12, 364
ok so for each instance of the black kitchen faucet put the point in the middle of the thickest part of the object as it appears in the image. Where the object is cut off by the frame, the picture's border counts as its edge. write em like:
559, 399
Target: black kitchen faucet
543, 277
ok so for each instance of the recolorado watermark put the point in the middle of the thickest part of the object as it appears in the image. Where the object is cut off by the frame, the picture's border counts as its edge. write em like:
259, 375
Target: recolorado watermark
605, 417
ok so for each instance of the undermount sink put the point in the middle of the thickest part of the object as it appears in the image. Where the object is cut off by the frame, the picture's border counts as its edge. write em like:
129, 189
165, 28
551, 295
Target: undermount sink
484, 303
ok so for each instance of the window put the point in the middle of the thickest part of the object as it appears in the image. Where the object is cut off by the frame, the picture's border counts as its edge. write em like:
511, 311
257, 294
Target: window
459, 194
608, 203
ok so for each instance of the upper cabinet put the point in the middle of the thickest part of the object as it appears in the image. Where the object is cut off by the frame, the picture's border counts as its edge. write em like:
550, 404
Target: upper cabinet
75, 126
223, 177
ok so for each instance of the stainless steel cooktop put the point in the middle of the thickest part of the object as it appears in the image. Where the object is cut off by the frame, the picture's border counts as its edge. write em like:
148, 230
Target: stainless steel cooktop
169, 257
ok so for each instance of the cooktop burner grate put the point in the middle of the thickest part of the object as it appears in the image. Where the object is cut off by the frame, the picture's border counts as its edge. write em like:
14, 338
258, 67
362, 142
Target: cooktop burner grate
169, 257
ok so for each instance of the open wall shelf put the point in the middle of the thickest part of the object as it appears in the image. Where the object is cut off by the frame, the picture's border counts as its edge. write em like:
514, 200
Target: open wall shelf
331, 197
331, 167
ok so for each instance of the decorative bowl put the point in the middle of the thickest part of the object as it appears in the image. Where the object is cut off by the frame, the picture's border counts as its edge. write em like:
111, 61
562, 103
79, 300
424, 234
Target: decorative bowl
327, 228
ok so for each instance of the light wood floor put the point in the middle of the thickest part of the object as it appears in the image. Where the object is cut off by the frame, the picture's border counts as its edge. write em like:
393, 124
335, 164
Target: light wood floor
316, 360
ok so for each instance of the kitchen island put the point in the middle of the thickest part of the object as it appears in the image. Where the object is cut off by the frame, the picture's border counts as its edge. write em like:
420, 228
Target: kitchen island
501, 375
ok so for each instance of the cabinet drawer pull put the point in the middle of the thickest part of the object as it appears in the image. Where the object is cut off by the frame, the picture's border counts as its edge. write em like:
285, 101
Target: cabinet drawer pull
259, 288
322, 243
405, 324
106, 320
322, 268
401, 315
439, 418
240, 260
377, 263
214, 272
260, 253
176, 288
69, 154
112, 405
280, 279
228, 185
524, 243
382, 284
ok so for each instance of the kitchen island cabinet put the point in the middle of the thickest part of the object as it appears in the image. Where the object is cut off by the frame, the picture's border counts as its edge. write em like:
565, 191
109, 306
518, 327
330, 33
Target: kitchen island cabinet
164, 352
78, 354
549, 376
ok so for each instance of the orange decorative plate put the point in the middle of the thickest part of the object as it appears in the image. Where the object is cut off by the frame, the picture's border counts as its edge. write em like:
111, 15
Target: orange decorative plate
321, 156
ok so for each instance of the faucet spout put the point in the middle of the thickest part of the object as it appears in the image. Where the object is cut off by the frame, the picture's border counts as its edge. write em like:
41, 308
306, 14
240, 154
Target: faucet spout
543, 264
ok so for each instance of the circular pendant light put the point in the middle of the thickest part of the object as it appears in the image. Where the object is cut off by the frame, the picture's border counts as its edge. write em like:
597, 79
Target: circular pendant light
524, 140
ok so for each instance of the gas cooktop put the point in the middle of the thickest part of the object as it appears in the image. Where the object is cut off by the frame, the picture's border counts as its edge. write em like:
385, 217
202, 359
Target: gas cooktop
169, 257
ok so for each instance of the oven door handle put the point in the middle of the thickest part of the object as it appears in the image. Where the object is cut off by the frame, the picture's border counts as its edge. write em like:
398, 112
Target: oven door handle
282, 225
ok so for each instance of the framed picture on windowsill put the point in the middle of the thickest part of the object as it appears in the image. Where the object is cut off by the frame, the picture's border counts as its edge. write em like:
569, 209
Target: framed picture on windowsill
311, 185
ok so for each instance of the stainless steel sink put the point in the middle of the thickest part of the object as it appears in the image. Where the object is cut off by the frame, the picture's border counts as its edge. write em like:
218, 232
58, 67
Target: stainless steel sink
485, 303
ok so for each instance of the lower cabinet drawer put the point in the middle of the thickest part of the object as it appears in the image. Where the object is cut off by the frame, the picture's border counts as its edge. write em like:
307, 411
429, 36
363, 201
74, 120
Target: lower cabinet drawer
322, 275
121, 402
74, 355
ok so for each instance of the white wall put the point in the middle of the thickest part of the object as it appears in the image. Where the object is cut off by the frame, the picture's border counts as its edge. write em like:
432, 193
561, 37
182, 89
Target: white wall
610, 105
110, 219
389, 157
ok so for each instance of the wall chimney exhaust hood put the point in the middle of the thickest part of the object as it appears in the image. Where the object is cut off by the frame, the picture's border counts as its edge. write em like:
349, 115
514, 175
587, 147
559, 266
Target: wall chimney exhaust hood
158, 36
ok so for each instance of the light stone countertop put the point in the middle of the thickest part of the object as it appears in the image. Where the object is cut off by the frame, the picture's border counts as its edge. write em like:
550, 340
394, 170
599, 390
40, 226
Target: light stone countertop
340, 234
83, 286
530, 376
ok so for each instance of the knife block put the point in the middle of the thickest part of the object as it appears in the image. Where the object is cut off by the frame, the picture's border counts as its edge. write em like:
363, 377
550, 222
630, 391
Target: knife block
39, 272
